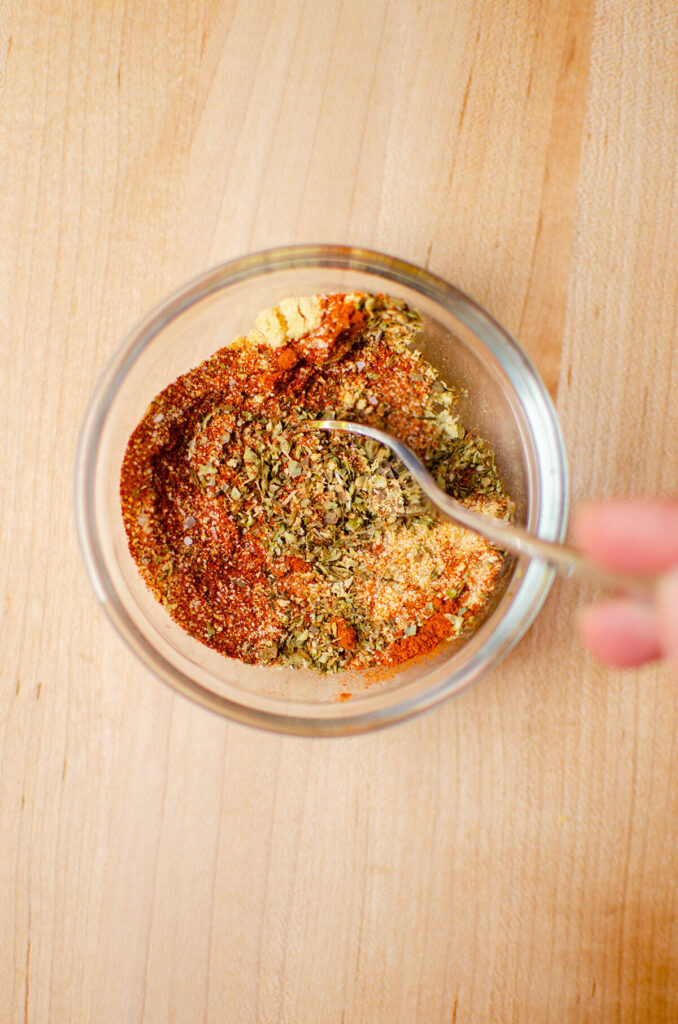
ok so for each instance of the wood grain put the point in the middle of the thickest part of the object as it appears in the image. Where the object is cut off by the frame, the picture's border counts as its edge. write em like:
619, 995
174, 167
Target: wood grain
510, 857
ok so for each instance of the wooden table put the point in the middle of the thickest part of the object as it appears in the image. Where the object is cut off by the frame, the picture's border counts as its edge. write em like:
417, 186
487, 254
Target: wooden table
510, 857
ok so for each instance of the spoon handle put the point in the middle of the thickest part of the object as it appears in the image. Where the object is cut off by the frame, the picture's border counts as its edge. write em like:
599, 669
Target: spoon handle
566, 560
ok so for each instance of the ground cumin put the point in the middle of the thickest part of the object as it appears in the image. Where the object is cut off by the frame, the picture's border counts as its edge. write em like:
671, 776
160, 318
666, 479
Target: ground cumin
279, 546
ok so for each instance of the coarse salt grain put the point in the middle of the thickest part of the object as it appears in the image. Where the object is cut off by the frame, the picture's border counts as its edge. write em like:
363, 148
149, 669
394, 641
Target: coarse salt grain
159, 418
188, 541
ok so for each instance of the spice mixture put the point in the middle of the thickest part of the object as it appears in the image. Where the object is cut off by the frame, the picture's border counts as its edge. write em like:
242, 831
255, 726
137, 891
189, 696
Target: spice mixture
279, 545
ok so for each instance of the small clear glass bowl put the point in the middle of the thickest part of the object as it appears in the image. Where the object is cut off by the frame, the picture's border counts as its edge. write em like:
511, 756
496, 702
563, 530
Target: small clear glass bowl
506, 403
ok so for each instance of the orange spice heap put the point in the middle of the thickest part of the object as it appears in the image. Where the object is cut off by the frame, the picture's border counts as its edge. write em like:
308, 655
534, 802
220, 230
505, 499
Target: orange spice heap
275, 545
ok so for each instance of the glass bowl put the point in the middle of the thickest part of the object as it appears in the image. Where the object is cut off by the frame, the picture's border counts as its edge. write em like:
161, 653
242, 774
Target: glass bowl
506, 403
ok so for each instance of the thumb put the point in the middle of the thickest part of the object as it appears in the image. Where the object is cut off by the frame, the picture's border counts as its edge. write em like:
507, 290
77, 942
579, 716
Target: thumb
667, 614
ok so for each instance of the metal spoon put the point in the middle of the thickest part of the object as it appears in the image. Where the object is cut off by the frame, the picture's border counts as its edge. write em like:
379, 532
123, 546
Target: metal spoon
566, 560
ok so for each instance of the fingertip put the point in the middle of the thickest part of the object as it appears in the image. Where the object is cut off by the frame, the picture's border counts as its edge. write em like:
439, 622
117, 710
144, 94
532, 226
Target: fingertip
621, 633
633, 534
585, 522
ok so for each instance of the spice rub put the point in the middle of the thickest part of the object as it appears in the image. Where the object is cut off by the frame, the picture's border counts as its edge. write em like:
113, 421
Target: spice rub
277, 545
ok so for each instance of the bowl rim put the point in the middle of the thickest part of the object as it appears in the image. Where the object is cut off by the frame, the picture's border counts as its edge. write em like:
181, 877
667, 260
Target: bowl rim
505, 349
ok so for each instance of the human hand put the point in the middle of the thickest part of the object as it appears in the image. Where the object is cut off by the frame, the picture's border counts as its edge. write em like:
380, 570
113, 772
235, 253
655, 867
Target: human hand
632, 535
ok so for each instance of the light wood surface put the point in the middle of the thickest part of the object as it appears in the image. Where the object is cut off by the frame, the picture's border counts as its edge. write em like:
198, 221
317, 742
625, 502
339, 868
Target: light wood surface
510, 857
